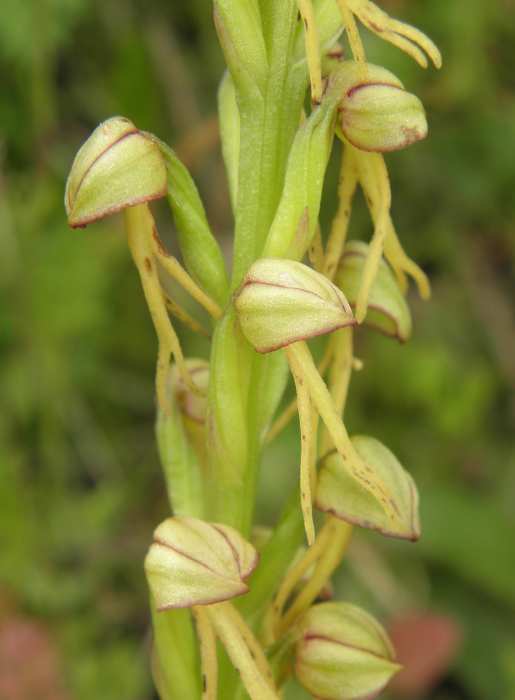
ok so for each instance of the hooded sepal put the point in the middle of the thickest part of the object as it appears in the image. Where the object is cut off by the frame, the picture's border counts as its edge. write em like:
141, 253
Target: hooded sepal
345, 498
378, 114
192, 406
388, 311
192, 562
117, 167
343, 653
283, 301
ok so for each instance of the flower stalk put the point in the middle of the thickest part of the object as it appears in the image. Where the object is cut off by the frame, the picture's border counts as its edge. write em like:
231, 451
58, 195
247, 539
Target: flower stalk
140, 227
208, 660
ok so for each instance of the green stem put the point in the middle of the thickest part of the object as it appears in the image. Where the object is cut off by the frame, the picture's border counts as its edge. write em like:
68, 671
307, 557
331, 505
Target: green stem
269, 115
176, 663
268, 121
228, 430
269, 108
250, 474
180, 465
275, 558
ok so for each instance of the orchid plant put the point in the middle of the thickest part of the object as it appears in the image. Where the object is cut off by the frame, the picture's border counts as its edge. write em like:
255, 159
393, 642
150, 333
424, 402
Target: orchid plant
235, 609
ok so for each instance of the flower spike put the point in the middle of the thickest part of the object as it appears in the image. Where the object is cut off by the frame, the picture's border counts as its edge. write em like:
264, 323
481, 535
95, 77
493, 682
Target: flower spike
214, 418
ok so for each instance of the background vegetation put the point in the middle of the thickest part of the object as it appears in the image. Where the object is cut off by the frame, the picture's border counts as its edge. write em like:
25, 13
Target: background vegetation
80, 487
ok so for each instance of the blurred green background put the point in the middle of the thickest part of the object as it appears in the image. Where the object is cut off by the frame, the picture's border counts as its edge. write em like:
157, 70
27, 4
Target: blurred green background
80, 486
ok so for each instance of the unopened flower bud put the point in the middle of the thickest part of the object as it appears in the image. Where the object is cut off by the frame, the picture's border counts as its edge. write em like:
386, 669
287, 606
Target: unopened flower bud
117, 167
343, 653
388, 311
378, 114
192, 406
192, 562
283, 301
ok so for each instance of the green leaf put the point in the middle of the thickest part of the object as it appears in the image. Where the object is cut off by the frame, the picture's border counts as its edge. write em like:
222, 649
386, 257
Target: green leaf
200, 250
227, 431
297, 213
268, 122
177, 675
180, 465
230, 133
240, 33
